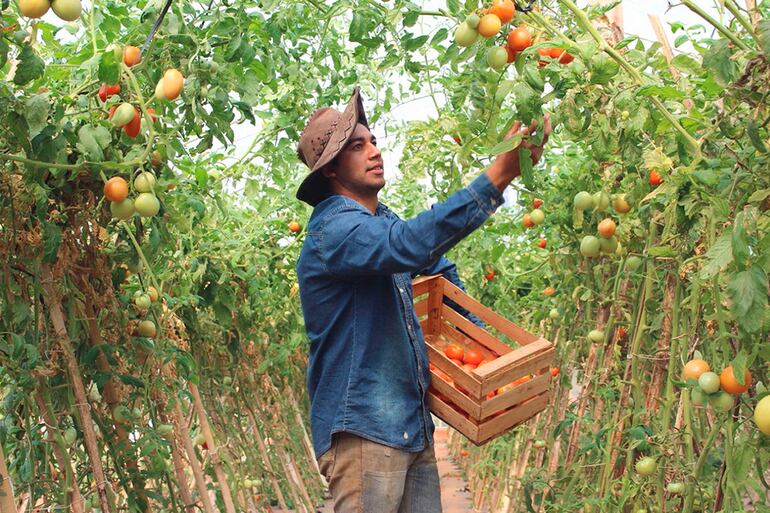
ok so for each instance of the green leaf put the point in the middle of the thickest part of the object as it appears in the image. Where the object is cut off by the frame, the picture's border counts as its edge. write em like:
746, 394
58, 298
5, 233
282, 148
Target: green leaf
51, 241
740, 241
88, 144
3, 52
506, 145
662, 251
719, 256
413, 44
748, 291
30, 66
668, 93
686, 64
763, 36
357, 28
525, 165
109, 68
718, 59
37, 113
753, 131
759, 196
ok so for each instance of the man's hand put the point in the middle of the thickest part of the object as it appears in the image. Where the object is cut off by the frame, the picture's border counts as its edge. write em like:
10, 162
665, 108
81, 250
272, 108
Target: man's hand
506, 166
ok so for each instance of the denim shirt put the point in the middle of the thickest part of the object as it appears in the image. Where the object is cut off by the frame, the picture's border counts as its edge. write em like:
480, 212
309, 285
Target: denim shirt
368, 366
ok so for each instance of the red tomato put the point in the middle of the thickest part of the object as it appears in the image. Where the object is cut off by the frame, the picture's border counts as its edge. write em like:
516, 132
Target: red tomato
454, 352
542, 244
537, 203
555, 371
655, 178
133, 127
491, 394
489, 275
151, 112
457, 362
105, 91
511, 54
527, 221
473, 357
519, 39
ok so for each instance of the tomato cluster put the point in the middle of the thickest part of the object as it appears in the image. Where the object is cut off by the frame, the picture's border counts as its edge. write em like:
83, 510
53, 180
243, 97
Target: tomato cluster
718, 389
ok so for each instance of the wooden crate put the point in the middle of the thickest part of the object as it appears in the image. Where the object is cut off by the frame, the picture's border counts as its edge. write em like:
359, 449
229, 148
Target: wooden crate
466, 405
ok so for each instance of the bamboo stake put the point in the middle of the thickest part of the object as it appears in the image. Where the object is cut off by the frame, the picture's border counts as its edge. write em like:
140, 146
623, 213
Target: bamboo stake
7, 500
65, 464
266, 460
179, 464
293, 473
582, 402
200, 481
665, 45
306, 439
56, 313
213, 451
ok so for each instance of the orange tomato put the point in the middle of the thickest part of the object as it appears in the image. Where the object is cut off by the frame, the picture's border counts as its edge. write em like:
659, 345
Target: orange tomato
491, 394
521, 380
606, 228
730, 384
131, 55
443, 375
173, 82
621, 332
655, 178
503, 9
489, 25
116, 189
454, 352
555, 371
457, 362
549, 291
152, 114
473, 357
484, 361
527, 221
467, 367
519, 39
694, 368
295, 227
463, 453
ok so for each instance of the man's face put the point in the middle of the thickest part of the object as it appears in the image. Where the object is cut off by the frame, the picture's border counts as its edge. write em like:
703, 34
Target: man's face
358, 168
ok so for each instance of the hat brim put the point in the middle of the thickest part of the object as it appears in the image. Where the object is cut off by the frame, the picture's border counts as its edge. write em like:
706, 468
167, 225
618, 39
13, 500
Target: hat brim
314, 188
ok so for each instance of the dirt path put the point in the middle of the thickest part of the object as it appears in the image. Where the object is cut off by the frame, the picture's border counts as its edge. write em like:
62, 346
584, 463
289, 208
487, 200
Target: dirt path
454, 495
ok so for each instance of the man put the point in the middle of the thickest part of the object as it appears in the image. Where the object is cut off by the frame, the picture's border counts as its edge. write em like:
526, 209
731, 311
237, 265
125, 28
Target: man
368, 372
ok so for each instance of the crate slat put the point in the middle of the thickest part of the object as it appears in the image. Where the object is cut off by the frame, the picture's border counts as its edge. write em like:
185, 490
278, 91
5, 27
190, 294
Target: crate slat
458, 398
480, 334
516, 395
422, 284
510, 367
421, 308
488, 315
453, 335
512, 418
452, 417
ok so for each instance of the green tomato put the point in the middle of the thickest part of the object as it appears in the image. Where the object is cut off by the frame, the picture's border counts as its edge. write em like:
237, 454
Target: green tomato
646, 466
123, 210
698, 396
590, 246
120, 414
601, 201
608, 245
199, 439
135, 266
70, 435
633, 263
497, 57
583, 201
165, 430
144, 182
68, 10
596, 336
472, 20
675, 488
142, 301
123, 115
709, 382
539, 444
19, 36
553, 314
722, 402
227, 381
465, 35
147, 329
762, 415
146, 204
537, 216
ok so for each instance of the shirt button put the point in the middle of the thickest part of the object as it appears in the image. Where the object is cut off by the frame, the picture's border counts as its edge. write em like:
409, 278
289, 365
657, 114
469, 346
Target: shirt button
406, 435
400, 289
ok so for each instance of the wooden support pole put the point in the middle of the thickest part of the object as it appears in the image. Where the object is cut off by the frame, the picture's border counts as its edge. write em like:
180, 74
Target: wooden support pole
200, 481
657, 26
7, 500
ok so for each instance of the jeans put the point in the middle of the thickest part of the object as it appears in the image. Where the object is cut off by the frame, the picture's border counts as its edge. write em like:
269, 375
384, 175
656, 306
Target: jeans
367, 477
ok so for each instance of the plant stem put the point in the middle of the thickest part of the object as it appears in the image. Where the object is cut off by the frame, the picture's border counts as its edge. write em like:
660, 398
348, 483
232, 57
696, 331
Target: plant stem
690, 498
733, 8
721, 28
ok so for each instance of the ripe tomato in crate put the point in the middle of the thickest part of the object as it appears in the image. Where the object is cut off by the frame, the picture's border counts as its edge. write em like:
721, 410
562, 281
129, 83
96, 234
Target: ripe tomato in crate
507, 386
